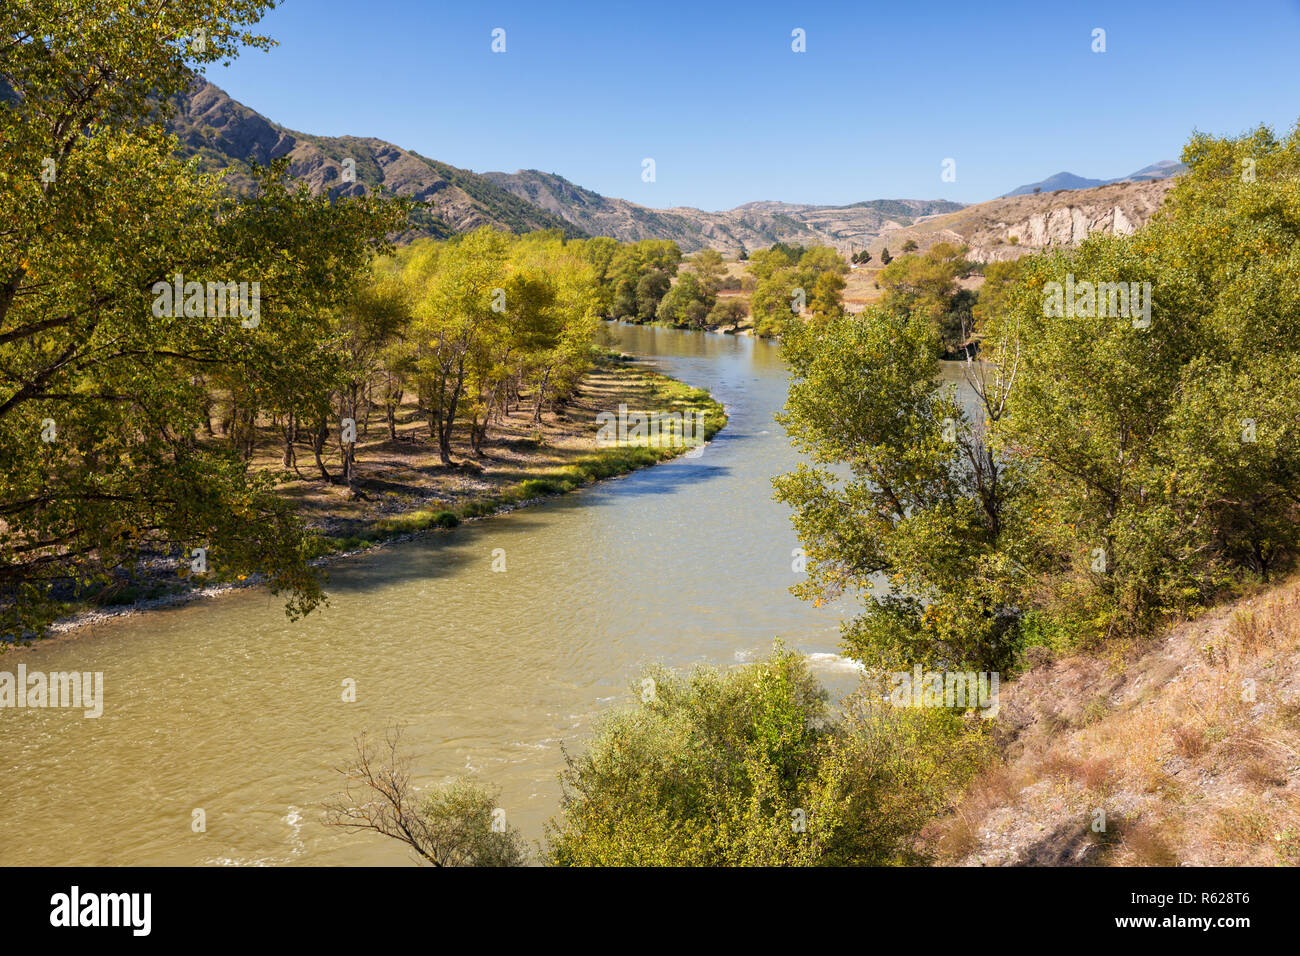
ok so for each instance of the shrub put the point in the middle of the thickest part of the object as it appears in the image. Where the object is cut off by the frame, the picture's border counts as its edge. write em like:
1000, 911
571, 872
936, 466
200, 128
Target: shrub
748, 767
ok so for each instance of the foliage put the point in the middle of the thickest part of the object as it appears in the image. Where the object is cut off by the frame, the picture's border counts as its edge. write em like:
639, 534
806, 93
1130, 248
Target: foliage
790, 279
1127, 458
903, 501
453, 825
996, 294
1169, 450
750, 768
640, 274
927, 284
101, 391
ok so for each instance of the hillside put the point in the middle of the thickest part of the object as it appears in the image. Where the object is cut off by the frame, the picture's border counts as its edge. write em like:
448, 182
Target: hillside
1014, 226
224, 133
754, 225
1190, 745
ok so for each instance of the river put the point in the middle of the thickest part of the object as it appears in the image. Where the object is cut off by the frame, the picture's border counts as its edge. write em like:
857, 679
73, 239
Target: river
224, 706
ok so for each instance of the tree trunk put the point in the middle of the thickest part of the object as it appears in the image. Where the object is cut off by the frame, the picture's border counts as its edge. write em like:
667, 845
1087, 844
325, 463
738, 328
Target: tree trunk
348, 406
290, 433
318, 439
541, 396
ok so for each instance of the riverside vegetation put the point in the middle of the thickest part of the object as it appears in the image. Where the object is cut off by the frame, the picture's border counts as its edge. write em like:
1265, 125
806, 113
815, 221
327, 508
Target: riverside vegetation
141, 443
1112, 478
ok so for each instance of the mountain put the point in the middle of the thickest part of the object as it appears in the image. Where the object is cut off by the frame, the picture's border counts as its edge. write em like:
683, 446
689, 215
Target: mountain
596, 214
224, 133
1164, 169
1061, 180
1011, 226
754, 225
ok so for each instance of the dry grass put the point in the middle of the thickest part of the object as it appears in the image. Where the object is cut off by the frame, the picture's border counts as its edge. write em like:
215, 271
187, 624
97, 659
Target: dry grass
1190, 744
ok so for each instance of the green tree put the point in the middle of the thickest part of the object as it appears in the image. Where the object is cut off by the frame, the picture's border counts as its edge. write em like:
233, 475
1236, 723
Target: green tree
927, 284
709, 265
825, 299
1161, 422
903, 503
640, 275
997, 293
687, 302
454, 320
103, 383
774, 302
728, 313
454, 825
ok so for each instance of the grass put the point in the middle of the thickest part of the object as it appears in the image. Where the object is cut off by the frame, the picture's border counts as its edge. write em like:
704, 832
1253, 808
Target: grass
1191, 744
665, 395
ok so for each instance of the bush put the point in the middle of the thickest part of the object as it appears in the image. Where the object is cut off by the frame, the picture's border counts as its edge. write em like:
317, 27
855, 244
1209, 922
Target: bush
748, 767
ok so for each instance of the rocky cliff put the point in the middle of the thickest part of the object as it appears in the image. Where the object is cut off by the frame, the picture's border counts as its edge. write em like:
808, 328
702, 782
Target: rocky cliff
1013, 226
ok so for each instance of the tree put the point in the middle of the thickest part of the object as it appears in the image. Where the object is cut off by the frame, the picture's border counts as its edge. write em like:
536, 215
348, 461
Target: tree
650, 289
791, 278
819, 259
600, 252
451, 826
728, 312
910, 246
640, 275
366, 325
765, 262
708, 264
927, 285
1161, 418
104, 370
454, 321
904, 501
774, 301
1001, 282
687, 302
825, 299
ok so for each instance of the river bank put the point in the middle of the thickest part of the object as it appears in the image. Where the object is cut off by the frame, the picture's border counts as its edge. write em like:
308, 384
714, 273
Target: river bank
405, 490
229, 706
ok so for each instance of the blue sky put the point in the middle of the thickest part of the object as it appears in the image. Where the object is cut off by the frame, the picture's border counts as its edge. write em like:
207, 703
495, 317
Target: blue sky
714, 94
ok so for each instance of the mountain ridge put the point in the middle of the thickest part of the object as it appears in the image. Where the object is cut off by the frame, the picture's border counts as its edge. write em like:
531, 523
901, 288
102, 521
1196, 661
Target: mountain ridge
223, 134
1164, 169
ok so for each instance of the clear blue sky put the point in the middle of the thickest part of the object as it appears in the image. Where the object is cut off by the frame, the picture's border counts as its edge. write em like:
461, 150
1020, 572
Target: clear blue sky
714, 94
